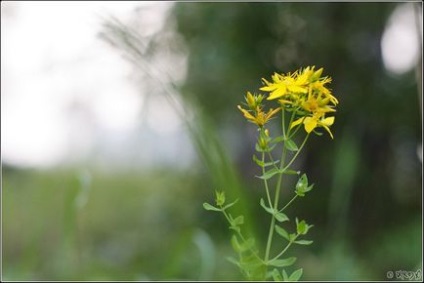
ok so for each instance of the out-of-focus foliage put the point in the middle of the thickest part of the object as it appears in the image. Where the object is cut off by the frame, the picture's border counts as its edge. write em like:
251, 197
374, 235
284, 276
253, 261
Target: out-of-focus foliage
85, 225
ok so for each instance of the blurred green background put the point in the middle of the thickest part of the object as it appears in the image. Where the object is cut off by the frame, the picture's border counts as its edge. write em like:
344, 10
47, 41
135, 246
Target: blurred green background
82, 223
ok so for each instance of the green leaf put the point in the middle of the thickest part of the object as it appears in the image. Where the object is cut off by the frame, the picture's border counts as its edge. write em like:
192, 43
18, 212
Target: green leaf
290, 145
282, 262
235, 244
268, 209
269, 174
303, 242
291, 172
268, 149
278, 139
230, 204
295, 276
281, 217
280, 231
241, 247
257, 161
239, 220
285, 276
276, 275
207, 206
264, 164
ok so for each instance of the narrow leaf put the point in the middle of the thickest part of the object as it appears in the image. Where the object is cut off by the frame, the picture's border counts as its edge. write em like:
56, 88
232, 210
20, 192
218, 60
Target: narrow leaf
303, 242
269, 174
268, 209
285, 276
290, 145
291, 172
239, 220
266, 164
278, 139
295, 276
230, 204
235, 243
207, 206
281, 217
282, 262
258, 148
257, 161
276, 275
280, 231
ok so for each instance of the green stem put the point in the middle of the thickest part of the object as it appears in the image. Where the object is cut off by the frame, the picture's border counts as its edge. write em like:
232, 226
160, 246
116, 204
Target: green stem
277, 195
297, 153
283, 124
281, 210
285, 249
270, 234
295, 131
266, 181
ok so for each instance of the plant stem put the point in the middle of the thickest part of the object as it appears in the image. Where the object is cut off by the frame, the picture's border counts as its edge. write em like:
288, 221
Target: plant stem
265, 181
277, 195
297, 153
285, 249
281, 210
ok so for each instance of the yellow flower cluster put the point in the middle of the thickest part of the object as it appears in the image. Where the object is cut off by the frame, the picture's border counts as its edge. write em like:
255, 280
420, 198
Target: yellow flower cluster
255, 114
306, 93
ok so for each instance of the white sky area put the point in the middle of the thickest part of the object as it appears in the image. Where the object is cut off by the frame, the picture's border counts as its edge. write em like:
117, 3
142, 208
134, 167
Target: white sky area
400, 42
67, 96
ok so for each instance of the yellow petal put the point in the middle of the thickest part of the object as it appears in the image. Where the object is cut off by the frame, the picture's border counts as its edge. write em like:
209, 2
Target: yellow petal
250, 100
328, 130
271, 113
297, 122
246, 114
295, 88
280, 91
327, 121
310, 124
284, 101
268, 87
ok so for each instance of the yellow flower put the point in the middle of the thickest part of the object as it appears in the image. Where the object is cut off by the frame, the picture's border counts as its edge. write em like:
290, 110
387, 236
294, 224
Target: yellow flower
283, 85
253, 100
317, 105
291, 87
312, 122
259, 117
305, 92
